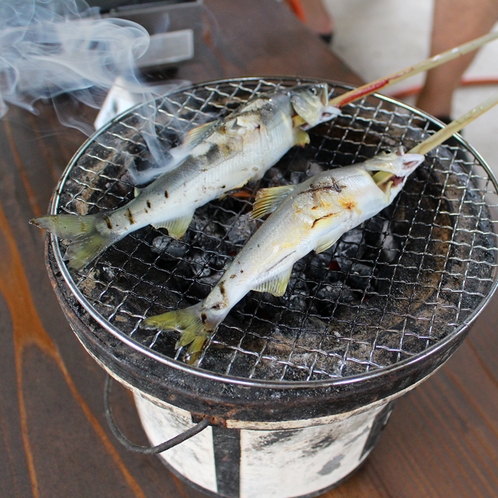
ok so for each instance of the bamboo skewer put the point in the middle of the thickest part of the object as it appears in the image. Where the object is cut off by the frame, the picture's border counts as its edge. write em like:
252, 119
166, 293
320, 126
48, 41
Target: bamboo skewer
398, 76
383, 177
454, 127
425, 65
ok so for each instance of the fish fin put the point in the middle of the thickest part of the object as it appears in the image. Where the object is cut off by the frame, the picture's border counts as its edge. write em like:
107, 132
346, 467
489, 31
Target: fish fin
177, 156
198, 134
177, 227
297, 120
301, 137
268, 199
325, 242
247, 121
193, 331
384, 181
86, 241
331, 236
276, 285
146, 176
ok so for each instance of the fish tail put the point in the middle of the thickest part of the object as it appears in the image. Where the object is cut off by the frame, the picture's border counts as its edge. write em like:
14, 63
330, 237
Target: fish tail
86, 241
194, 331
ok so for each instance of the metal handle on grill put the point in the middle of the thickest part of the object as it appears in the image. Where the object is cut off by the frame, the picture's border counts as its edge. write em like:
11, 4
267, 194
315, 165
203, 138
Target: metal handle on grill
147, 450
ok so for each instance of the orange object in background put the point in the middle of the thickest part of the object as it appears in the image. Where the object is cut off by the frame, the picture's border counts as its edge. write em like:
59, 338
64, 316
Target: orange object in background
297, 8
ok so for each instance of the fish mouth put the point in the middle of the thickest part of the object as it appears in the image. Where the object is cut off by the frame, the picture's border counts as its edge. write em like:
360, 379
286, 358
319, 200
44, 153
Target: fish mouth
385, 181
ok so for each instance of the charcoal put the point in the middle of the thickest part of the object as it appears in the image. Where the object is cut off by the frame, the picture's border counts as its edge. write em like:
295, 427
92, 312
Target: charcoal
241, 228
319, 266
360, 276
298, 301
391, 246
168, 247
275, 177
334, 291
314, 168
297, 177
350, 247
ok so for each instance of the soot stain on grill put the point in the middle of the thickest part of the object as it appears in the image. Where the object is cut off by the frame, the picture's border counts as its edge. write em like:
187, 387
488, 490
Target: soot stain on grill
318, 445
277, 437
332, 465
385, 291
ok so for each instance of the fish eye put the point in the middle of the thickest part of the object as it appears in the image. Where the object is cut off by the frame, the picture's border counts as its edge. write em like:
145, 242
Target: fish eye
313, 90
387, 151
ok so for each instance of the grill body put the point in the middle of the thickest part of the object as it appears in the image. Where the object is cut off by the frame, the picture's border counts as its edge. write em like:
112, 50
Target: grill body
279, 459
359, 325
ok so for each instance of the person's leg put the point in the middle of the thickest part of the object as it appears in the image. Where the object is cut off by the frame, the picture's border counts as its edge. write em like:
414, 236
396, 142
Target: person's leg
454, 23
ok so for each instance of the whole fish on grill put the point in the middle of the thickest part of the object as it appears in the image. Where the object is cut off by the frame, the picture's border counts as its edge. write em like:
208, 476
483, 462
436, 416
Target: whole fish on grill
310, 216
224, 155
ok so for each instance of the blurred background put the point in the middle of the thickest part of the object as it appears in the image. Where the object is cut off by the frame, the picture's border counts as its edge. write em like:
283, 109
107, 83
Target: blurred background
376, 38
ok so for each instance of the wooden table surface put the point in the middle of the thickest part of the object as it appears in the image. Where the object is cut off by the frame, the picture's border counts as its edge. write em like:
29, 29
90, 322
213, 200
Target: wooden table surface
442, 439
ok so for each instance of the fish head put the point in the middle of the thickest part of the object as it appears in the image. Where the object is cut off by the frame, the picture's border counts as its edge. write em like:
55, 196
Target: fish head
310, 102
398, 162
391, 169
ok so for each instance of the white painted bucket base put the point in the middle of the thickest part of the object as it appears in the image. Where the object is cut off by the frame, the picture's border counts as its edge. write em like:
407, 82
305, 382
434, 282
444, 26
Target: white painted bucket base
275, 460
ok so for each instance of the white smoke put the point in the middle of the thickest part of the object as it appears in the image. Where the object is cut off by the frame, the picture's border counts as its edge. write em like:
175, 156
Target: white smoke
53, 47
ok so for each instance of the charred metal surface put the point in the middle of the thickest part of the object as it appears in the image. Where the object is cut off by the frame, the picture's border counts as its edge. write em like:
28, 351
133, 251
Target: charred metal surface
374, 314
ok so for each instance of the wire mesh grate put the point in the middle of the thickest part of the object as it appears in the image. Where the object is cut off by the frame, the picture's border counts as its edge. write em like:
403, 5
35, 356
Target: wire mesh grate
384, 293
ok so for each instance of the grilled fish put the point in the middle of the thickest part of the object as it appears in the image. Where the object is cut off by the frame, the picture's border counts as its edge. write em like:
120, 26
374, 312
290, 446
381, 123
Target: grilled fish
307, 217
224, 155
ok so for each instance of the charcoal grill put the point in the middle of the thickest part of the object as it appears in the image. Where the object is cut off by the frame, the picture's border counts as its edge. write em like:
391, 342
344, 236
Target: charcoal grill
359, 324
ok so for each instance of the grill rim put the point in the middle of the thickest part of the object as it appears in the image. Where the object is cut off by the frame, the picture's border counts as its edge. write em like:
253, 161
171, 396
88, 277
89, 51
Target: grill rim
256, 382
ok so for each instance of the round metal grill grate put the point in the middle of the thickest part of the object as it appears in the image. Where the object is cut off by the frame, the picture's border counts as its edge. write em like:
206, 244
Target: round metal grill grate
387, 292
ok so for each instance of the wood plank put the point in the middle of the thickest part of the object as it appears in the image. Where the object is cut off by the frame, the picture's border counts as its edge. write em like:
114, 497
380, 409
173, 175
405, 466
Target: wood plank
442, 439
288, 47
